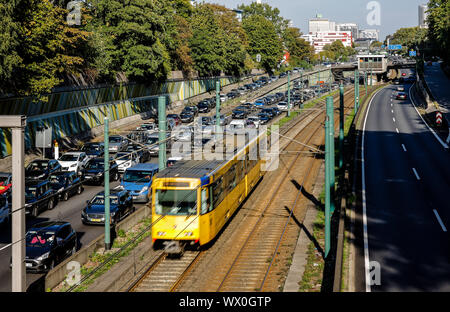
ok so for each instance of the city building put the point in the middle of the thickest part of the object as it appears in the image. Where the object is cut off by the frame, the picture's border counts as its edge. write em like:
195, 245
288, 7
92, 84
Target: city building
372, 34
423, 16
353, 27
321, 38
321, 24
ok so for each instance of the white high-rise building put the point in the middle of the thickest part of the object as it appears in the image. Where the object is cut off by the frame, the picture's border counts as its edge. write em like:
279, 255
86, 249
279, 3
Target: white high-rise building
372, 34
321, 38
423, 16
353, 27
321, 24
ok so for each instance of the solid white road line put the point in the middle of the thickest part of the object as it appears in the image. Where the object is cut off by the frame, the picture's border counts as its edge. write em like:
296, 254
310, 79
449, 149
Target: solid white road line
404, 148
415, 172
432, 131
364, 202
439, 220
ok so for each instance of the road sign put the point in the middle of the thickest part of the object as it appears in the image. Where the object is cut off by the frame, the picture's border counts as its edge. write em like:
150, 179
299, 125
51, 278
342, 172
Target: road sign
394, 47
412, 53
44, 137
383, 46
438, 118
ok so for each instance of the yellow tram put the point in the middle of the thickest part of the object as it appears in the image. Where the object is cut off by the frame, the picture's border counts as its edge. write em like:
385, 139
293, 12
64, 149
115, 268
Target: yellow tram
193, 200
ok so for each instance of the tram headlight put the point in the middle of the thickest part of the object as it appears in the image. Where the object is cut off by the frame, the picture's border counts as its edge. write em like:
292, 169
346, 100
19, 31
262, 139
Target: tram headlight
161, 233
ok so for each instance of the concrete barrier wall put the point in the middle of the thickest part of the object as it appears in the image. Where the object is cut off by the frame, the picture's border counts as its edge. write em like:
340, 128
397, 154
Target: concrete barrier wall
73, 112
60, 272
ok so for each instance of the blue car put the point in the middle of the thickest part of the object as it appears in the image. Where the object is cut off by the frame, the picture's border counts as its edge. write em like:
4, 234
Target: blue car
120, 206
39, 196
138, 180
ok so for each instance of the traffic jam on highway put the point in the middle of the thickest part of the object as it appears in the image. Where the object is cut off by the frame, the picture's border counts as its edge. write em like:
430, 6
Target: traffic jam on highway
133, 164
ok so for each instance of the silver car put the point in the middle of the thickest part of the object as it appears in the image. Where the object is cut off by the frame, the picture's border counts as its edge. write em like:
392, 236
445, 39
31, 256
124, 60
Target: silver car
117, 143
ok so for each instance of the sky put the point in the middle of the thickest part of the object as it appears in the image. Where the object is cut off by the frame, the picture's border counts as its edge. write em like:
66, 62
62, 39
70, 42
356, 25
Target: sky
394, 14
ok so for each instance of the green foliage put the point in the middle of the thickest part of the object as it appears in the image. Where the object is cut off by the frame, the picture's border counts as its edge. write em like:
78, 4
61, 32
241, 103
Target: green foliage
299, 49
409, 37
263, 40
439, 26
269, 13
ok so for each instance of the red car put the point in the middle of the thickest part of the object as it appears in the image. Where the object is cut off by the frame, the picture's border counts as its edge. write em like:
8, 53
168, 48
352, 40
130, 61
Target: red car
176, 118
5, 182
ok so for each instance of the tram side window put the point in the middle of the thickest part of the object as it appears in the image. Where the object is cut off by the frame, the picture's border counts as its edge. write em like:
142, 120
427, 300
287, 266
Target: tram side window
216, 192
240, 171
230, 178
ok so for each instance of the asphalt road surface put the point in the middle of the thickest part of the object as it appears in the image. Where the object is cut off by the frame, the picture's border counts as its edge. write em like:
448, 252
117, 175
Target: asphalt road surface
407, 184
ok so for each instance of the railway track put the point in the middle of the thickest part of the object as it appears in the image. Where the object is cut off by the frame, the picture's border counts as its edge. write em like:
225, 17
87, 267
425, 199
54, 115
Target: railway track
168, 274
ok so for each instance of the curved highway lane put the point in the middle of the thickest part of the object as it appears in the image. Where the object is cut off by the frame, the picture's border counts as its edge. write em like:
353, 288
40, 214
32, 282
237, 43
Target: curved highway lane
407, 183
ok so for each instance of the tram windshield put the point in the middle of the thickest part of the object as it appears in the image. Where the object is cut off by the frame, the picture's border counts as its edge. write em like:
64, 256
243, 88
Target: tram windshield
176, 202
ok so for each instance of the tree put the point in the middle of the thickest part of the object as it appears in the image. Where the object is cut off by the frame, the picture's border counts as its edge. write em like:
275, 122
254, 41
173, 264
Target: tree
265, 10
299, 49
207, 42
409, 38
439, 26
46, 48
9, 42
263, 40
129, 39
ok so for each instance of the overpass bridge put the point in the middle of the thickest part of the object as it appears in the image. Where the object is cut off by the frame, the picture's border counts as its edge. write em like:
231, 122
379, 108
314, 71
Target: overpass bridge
378, 65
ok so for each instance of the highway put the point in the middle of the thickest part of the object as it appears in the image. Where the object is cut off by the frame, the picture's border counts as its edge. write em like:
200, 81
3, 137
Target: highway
405, 188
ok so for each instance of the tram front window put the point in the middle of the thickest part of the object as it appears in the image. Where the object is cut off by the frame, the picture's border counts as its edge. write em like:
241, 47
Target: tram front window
176, 202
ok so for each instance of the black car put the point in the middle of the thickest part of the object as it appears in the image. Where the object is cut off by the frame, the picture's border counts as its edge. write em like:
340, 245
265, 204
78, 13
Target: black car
239, 113
94, 149
142, 153
263, 118
187, 117
95, 169
190, 109
66, 184
121, 205
39, 195
276, 111
268, 111
47, 244
203, 108
40, 169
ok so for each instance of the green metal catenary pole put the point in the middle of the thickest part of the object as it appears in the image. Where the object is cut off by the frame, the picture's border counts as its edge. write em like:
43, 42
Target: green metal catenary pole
330, 112
289, 94
162, 125
217, 107
327, 185
356, 91
106, 195
341, 126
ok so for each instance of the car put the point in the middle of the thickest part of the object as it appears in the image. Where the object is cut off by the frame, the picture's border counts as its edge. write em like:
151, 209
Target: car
204, 121
149, 126
39, 196
95, 170
401, 96
121, 205
47, 244
282, 106
94, 149
223, 97
224, 120
66, 184
187, 117
142, 153
126, 160
172, 160
5, 209
176, 118
276, 111
137, 136
268, 111
40, 169
73, 161
190, 109
400, 88
236, 125
203, 108
138, 181
117, 143
184, 134
255, 119
263, 118
239, 113
5, 183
